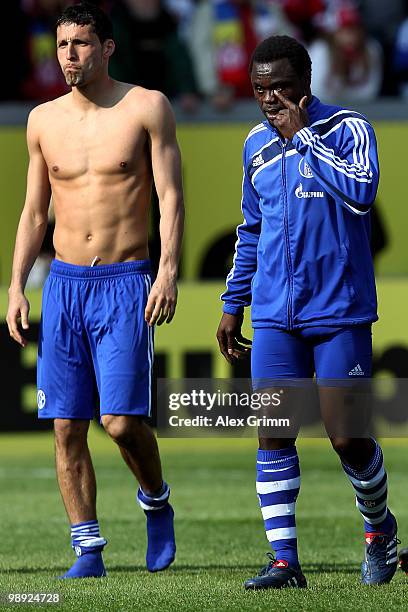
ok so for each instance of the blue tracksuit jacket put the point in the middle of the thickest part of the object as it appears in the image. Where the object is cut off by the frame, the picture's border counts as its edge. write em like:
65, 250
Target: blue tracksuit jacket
302, 256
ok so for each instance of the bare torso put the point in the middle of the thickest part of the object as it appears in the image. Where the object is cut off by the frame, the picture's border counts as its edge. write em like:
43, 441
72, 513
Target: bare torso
100, 173
96, 151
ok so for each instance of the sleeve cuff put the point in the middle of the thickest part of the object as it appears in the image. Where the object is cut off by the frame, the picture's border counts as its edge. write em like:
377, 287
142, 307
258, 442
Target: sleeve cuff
233, 309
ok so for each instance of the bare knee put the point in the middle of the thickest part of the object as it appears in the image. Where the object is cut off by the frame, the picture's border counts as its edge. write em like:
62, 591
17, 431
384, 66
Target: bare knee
71, 445
70, 433
353, 450
342, 445
356, 452
123, 429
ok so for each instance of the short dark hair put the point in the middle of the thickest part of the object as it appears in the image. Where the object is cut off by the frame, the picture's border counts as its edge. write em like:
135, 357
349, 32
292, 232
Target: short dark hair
281, 47
86, 13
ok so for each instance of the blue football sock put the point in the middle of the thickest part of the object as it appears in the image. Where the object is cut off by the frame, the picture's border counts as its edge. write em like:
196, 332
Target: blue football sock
90, 565
161, 545
277, 485
88, 546
370, 486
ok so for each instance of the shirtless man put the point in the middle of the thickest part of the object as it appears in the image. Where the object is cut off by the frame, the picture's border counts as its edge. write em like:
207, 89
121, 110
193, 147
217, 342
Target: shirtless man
97, 150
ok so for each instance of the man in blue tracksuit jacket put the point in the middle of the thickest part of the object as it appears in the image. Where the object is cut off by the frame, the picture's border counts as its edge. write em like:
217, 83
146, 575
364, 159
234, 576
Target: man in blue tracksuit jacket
303, 263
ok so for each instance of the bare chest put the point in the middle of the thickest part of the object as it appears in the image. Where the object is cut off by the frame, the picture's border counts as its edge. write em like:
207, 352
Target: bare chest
106, 144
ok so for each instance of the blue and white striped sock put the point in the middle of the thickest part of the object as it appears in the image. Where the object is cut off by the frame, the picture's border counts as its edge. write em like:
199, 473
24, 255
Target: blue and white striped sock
86, 538
277, 485
156, 502
371, 490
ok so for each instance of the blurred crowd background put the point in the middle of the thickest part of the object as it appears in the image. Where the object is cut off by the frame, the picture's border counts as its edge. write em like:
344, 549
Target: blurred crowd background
198, 50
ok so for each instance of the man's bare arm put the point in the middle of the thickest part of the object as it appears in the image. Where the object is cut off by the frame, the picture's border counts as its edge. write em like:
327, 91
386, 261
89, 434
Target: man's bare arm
166, 165
31, 230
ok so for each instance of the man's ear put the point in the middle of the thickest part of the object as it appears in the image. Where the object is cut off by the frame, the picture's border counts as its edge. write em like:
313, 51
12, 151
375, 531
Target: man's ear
108, 48
307, 78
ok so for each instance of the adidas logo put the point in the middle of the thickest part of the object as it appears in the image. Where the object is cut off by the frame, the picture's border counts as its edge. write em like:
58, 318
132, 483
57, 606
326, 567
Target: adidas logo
357, 371
281, 564
258, 161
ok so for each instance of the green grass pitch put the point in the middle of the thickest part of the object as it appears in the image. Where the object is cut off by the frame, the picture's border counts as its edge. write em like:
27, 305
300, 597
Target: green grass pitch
219, 530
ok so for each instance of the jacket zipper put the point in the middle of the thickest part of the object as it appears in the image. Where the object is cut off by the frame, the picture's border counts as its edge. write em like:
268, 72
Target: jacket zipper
286, 229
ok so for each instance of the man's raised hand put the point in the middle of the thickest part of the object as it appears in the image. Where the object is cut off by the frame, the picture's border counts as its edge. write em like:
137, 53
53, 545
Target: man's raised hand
292, 118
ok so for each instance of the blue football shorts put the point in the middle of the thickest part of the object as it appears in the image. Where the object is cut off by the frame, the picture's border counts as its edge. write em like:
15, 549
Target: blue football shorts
335, 353
93, 337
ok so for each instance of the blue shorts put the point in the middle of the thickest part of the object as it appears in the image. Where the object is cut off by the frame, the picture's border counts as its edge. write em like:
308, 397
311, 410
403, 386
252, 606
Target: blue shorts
335, 353
93, 336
